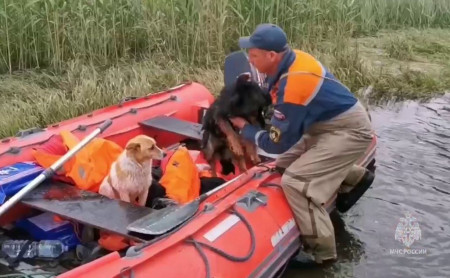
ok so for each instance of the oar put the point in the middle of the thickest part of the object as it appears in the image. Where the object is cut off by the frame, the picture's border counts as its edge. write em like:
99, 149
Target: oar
170, 217
49, 172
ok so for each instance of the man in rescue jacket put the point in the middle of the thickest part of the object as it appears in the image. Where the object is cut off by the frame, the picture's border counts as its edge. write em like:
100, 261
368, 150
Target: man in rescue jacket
320, 130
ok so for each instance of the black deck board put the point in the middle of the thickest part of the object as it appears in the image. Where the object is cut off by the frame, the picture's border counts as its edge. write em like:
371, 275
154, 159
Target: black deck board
174, 125
87, 208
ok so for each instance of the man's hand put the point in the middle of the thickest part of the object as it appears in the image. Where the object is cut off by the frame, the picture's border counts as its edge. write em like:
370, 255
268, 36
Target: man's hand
238, 122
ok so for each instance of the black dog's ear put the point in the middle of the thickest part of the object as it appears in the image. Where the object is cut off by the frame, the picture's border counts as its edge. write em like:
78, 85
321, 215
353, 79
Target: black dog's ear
243, 77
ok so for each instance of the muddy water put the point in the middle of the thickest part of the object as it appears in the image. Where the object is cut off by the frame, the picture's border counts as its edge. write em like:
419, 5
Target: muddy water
412, 176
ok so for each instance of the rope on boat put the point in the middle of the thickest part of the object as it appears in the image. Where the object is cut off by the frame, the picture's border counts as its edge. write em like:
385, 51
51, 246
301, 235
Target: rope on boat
204, 258
165, 235
198, 245
129, 269
270, 184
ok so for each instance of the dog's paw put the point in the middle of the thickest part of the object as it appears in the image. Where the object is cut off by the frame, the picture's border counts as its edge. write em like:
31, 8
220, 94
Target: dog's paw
160, 203
242, 166
255, 159
235, 146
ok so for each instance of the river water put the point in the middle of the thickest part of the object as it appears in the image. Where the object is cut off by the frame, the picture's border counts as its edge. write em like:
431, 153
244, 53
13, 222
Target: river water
412, 176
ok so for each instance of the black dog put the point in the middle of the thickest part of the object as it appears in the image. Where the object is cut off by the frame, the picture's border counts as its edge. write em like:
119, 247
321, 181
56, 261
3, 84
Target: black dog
220, 141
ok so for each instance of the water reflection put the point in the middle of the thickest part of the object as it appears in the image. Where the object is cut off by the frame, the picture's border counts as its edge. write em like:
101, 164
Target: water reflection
413, 175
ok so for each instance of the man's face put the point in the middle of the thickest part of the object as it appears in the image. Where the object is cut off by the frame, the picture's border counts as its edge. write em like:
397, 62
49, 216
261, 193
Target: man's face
264, 61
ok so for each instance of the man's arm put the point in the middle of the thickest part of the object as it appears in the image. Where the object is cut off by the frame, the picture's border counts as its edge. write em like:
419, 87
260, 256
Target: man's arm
284, 133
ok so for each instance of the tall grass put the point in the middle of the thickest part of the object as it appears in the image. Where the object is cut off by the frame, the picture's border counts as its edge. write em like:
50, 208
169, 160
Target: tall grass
47, 33
64, 58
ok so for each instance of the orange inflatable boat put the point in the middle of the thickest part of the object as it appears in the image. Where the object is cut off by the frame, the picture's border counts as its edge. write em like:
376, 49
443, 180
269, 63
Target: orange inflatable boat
242, 228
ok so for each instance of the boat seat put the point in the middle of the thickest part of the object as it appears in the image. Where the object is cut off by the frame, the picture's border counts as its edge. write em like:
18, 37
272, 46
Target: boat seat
174, 125
186, 128
87, 207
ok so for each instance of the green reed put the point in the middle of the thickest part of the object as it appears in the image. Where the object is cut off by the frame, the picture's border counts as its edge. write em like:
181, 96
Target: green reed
65, 58
47, 33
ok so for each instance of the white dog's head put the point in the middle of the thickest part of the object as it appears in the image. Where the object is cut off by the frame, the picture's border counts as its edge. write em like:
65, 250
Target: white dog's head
143, 148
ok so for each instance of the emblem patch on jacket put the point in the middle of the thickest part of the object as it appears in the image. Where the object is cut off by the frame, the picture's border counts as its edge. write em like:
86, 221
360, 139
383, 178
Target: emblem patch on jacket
275, 134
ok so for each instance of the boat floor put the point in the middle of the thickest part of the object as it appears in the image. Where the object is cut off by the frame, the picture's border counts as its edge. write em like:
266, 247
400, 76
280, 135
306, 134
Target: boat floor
87, 208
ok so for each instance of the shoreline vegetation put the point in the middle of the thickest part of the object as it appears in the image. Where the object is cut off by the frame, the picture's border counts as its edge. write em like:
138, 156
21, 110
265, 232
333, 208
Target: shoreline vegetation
60, 59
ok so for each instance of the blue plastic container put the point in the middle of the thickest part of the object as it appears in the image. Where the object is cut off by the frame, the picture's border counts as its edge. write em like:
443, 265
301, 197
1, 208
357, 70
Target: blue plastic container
40, 227
44, 227
16, 176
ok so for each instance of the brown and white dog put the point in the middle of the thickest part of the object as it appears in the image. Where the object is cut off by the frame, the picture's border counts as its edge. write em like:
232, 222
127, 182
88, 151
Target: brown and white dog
130, 176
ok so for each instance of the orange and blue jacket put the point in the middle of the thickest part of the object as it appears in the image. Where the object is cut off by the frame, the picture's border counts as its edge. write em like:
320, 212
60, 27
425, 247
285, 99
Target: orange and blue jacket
303, 92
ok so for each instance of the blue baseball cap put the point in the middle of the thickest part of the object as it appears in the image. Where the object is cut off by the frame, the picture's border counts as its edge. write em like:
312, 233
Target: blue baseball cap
266, 36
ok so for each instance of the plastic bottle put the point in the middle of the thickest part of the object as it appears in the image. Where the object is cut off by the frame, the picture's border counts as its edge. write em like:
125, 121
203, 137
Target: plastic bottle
42, 249
51, 248
13, 247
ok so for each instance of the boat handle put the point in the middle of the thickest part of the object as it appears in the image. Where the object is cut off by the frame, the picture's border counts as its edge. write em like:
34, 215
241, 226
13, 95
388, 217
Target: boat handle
125, 99
29, 131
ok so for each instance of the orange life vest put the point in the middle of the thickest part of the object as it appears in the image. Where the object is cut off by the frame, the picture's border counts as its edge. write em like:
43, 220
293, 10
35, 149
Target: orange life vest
89, 166
180, 176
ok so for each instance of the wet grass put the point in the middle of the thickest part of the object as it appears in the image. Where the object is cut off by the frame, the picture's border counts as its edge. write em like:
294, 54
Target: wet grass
407, 63
399, 49
410, 85
60, 59
39, 98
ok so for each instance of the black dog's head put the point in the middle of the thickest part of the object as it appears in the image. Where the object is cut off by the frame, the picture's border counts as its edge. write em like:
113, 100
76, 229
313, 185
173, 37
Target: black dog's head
244, 98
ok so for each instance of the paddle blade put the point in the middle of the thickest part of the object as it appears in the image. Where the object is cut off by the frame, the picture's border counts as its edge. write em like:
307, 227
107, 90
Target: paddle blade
164, 220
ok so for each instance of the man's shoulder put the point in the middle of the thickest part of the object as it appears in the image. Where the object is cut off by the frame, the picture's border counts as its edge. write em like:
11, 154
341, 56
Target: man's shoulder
304, 63
303, 79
